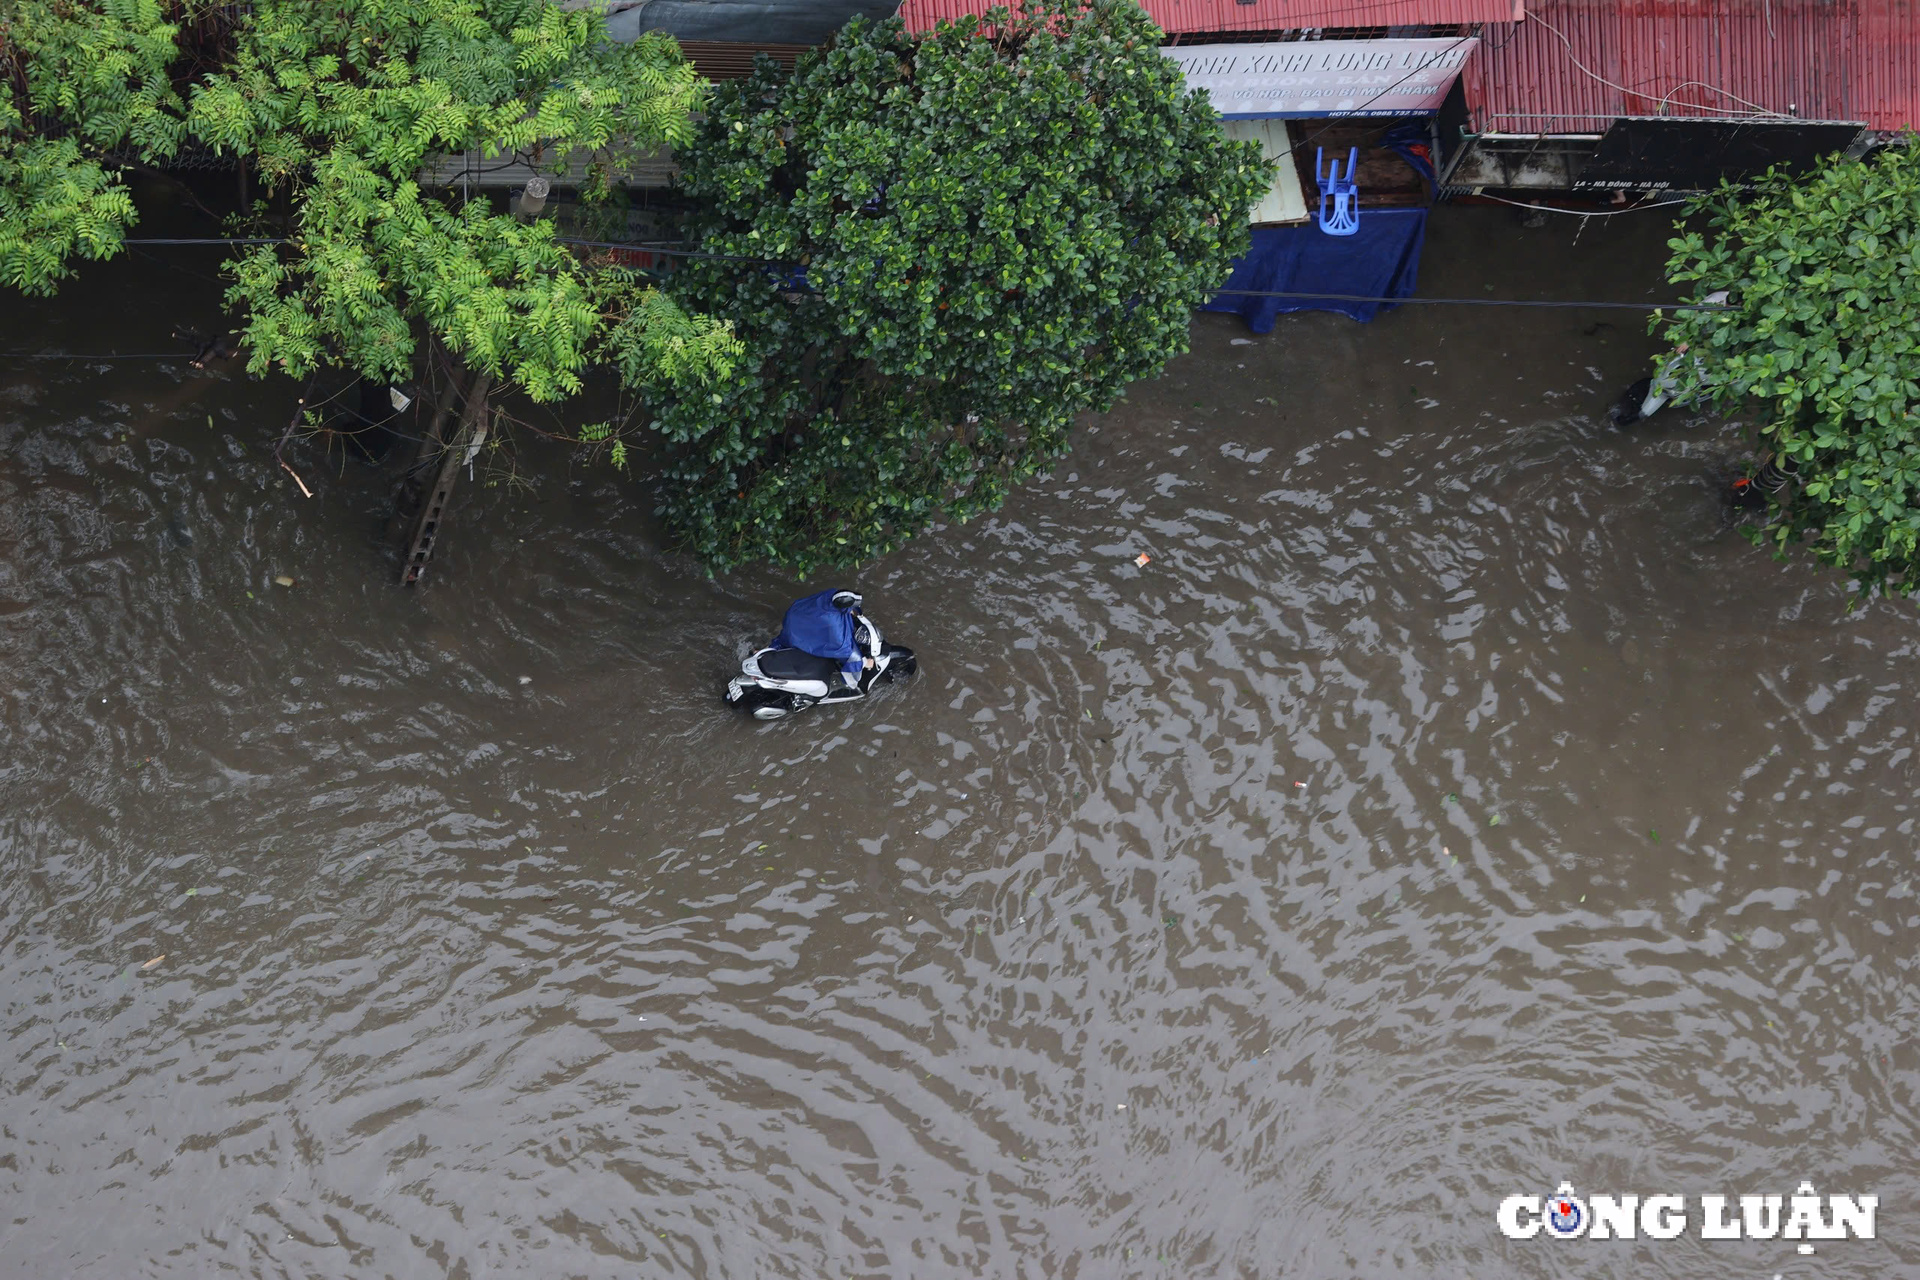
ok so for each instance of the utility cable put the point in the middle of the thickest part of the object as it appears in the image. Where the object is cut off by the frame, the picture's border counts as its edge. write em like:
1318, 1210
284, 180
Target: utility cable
572, 240
1549, 303
1478, 302
209, 240
1558, 304
669, 253
1541, 303
1580, 213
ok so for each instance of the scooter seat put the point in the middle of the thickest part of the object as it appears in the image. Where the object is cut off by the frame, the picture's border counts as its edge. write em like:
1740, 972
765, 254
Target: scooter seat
798, 664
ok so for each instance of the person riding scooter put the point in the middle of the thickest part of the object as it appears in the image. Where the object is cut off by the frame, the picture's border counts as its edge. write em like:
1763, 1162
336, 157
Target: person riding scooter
828, 650
828, 625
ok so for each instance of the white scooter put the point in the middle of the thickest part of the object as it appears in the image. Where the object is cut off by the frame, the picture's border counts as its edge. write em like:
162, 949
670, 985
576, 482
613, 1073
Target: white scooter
778, 681
1649, 395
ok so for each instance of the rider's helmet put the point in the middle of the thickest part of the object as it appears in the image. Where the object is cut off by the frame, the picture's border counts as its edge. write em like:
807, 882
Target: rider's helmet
847, 600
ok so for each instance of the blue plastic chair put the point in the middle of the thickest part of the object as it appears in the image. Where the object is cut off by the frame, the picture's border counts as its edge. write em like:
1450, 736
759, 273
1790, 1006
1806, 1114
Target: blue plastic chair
1339, 197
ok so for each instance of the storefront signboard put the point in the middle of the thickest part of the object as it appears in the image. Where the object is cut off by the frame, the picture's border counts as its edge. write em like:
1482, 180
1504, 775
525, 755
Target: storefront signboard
1303, 79
1670, 153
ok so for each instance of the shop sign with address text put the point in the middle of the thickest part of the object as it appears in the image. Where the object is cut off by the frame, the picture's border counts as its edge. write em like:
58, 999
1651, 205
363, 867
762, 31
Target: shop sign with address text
1307, 78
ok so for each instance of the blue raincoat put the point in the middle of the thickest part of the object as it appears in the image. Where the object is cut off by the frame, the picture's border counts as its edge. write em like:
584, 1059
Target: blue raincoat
813, 625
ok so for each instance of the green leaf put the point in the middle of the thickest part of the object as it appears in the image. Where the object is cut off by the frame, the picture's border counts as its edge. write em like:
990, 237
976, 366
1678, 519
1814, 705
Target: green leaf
336, 107
996, 236
1817, 352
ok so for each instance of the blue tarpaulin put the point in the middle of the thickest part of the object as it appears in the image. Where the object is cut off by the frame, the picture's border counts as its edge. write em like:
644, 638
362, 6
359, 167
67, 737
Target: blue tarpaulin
1380, 260
814, 625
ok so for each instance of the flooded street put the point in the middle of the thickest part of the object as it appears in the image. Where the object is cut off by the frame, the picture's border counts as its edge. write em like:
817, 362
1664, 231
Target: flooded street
1452, 805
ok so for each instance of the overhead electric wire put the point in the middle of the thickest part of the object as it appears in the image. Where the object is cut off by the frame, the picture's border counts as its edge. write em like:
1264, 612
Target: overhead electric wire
1556, 304
208, 240
670, 253
573, 240
109, 355
1537, 303
1580, 213
645, 247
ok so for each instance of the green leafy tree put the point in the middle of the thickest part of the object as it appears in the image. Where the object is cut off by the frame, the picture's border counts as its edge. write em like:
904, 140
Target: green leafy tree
985, 231
1822, 342
337, 105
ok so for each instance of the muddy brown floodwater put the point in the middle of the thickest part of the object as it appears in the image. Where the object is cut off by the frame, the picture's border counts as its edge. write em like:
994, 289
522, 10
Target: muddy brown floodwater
1454, 804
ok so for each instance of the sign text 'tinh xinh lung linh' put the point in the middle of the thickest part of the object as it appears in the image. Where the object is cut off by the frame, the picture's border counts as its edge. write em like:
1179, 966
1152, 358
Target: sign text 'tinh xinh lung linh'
1305, 78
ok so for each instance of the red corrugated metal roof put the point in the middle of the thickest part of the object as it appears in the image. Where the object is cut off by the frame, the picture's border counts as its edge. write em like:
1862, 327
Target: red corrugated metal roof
1886, 63
1181, 17
1574, 65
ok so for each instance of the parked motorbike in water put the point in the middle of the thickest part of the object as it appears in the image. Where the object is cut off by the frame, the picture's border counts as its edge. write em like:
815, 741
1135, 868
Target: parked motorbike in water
828, 650
1651, 394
